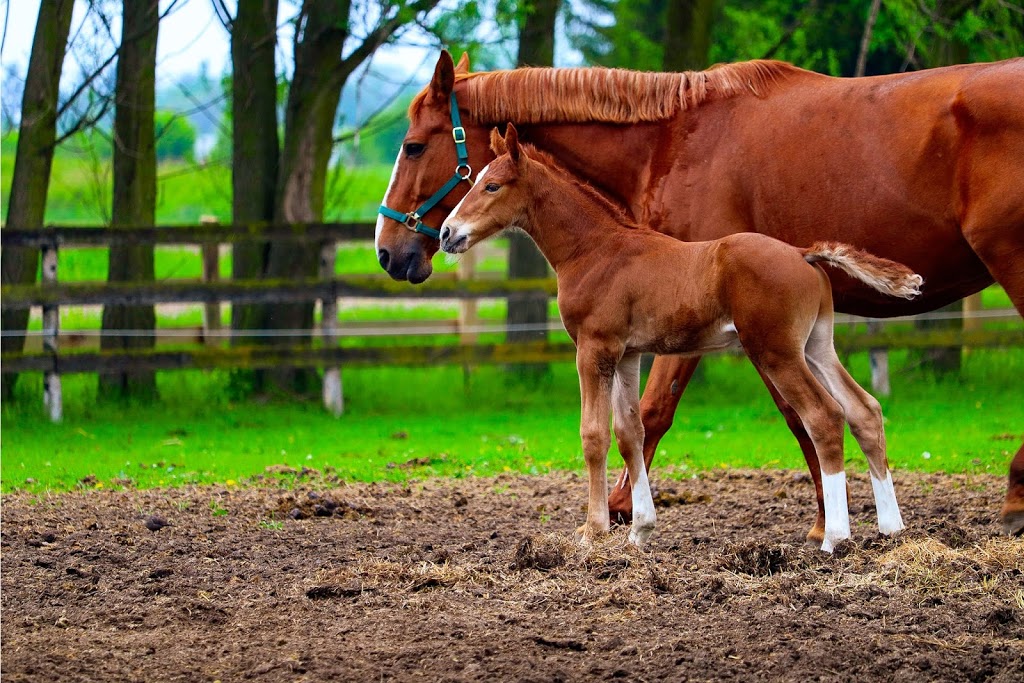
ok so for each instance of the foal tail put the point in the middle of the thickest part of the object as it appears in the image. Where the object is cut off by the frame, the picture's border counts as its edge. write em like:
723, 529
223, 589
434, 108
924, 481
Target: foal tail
878, 273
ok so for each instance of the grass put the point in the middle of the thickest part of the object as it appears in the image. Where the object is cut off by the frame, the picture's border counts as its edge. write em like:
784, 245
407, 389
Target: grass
411, 423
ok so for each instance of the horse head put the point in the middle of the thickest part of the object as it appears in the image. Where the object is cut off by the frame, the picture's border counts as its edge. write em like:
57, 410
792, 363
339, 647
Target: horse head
427, 180
498, 201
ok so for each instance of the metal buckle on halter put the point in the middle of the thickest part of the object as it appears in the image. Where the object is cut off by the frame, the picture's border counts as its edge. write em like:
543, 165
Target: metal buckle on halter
459, 134
412, 220
465, 176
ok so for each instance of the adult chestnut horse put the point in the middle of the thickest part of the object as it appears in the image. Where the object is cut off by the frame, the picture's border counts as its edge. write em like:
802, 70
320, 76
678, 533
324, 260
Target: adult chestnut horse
623, 291
924, 168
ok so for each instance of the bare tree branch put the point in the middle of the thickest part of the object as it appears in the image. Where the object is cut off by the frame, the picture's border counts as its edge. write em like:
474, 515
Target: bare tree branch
865, 41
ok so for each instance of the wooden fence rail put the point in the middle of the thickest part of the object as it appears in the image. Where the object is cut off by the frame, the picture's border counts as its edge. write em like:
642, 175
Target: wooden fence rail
467, 287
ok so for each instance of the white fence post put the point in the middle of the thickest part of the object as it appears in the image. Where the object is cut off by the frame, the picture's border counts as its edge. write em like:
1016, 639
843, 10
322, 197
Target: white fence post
52, 394
879, 364
334, 398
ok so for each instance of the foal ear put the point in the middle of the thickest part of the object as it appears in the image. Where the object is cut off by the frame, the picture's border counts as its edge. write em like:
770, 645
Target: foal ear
497, 143
444, 76
463, 66
512, 143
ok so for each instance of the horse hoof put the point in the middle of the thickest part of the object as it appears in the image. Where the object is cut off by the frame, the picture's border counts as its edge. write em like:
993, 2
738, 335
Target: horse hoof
620, 517
638, 535
1013, 520
816, 536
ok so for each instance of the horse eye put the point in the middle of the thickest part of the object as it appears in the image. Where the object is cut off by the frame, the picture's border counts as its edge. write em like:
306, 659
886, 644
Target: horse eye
492, 187
414, 149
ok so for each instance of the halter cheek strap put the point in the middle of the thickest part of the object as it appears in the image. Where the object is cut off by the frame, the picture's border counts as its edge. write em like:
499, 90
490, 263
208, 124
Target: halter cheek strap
413, 219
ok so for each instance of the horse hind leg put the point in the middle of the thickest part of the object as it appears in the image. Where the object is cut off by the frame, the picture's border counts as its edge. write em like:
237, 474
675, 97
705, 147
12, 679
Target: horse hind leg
629, 435
1001, 249
864, 414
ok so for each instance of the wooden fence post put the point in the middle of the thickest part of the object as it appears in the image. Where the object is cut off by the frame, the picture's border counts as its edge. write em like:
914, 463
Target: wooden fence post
334, 398
972, 305
52, 395
468, 318
879, 364
211, 273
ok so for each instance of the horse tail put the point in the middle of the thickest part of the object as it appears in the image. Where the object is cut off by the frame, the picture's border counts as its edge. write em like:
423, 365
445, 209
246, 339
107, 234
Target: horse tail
888, 277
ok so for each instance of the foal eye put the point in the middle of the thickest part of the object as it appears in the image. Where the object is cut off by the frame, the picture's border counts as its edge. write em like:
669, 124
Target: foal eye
414, 149
492, 187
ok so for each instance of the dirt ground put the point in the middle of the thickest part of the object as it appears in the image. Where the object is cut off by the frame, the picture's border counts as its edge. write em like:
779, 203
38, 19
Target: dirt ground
480, 580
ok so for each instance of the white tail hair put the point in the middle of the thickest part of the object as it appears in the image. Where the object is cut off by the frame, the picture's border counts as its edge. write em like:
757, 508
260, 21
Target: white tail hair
888, 277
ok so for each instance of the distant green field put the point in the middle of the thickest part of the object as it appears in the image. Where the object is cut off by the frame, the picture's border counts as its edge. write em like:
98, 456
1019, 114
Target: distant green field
401, 423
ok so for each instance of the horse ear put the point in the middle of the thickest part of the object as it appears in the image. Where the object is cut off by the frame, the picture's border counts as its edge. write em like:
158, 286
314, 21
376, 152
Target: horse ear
512, 143
498, 143
463, 66
444, 76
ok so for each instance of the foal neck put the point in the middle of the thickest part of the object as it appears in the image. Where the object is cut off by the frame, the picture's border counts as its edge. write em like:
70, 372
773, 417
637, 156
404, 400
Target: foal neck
568, 219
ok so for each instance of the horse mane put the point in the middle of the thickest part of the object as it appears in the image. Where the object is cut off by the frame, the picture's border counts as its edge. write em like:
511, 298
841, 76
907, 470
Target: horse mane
615, 210
549, 95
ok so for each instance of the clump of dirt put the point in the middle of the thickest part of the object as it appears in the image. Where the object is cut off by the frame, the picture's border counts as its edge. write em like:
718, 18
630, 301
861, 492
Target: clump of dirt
541, 552
757, 558
482, 579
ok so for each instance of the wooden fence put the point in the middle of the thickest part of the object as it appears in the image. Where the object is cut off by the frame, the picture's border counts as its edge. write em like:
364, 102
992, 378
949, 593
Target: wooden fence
464, 286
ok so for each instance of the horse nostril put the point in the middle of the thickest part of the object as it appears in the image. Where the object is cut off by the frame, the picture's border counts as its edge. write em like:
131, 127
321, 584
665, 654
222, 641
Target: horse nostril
384, 257
445, 233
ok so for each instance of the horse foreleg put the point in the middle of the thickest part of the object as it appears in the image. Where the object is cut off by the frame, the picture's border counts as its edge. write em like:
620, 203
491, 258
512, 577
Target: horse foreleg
665, 385
629, 434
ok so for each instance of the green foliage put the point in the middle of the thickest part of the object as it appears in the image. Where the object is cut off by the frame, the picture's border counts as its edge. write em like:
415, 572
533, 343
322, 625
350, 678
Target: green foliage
175, 137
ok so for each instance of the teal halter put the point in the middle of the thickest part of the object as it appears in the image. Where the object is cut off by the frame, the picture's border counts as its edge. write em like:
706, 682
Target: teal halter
412, 220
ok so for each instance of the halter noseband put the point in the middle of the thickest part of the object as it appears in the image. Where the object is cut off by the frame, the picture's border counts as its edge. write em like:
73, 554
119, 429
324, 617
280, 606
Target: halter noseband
413, 219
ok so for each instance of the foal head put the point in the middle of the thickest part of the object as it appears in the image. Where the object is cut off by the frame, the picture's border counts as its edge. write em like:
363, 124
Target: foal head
500, 199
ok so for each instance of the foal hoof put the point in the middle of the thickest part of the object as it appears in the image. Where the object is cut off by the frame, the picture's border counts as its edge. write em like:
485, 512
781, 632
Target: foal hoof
1012, 519
638, 535
816, 536
586, 534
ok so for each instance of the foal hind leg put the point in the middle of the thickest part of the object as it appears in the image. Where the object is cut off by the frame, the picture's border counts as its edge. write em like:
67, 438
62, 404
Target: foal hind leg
629, 434
665, 385
822, 417
864, 415
817, 533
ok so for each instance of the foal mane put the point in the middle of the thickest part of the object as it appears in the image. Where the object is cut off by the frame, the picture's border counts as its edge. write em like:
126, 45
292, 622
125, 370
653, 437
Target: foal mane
616, 211
548, 95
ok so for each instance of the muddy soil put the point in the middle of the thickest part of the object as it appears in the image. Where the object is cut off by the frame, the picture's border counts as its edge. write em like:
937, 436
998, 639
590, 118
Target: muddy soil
479, 579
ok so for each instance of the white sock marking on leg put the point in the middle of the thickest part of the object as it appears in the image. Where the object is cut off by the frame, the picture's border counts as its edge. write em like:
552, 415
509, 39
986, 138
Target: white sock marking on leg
644, 516
889, 519
837, 515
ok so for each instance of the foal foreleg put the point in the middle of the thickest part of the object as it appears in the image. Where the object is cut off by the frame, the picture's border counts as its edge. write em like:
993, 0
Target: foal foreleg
665, 385
629, 434
596, 370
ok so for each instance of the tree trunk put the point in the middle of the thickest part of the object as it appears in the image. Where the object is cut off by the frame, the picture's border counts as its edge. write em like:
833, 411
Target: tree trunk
309, 122
536, 48
134, 190
687, 34
254, 154
33, 160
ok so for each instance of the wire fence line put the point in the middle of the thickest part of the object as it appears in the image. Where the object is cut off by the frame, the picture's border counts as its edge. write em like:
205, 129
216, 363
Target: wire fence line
451, 327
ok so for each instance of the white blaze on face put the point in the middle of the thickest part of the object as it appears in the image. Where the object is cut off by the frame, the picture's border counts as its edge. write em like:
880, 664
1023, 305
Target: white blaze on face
380, 217
455, 211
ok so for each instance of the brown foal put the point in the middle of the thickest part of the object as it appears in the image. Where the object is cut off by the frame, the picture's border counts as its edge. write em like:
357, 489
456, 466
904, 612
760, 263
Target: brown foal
624, 290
